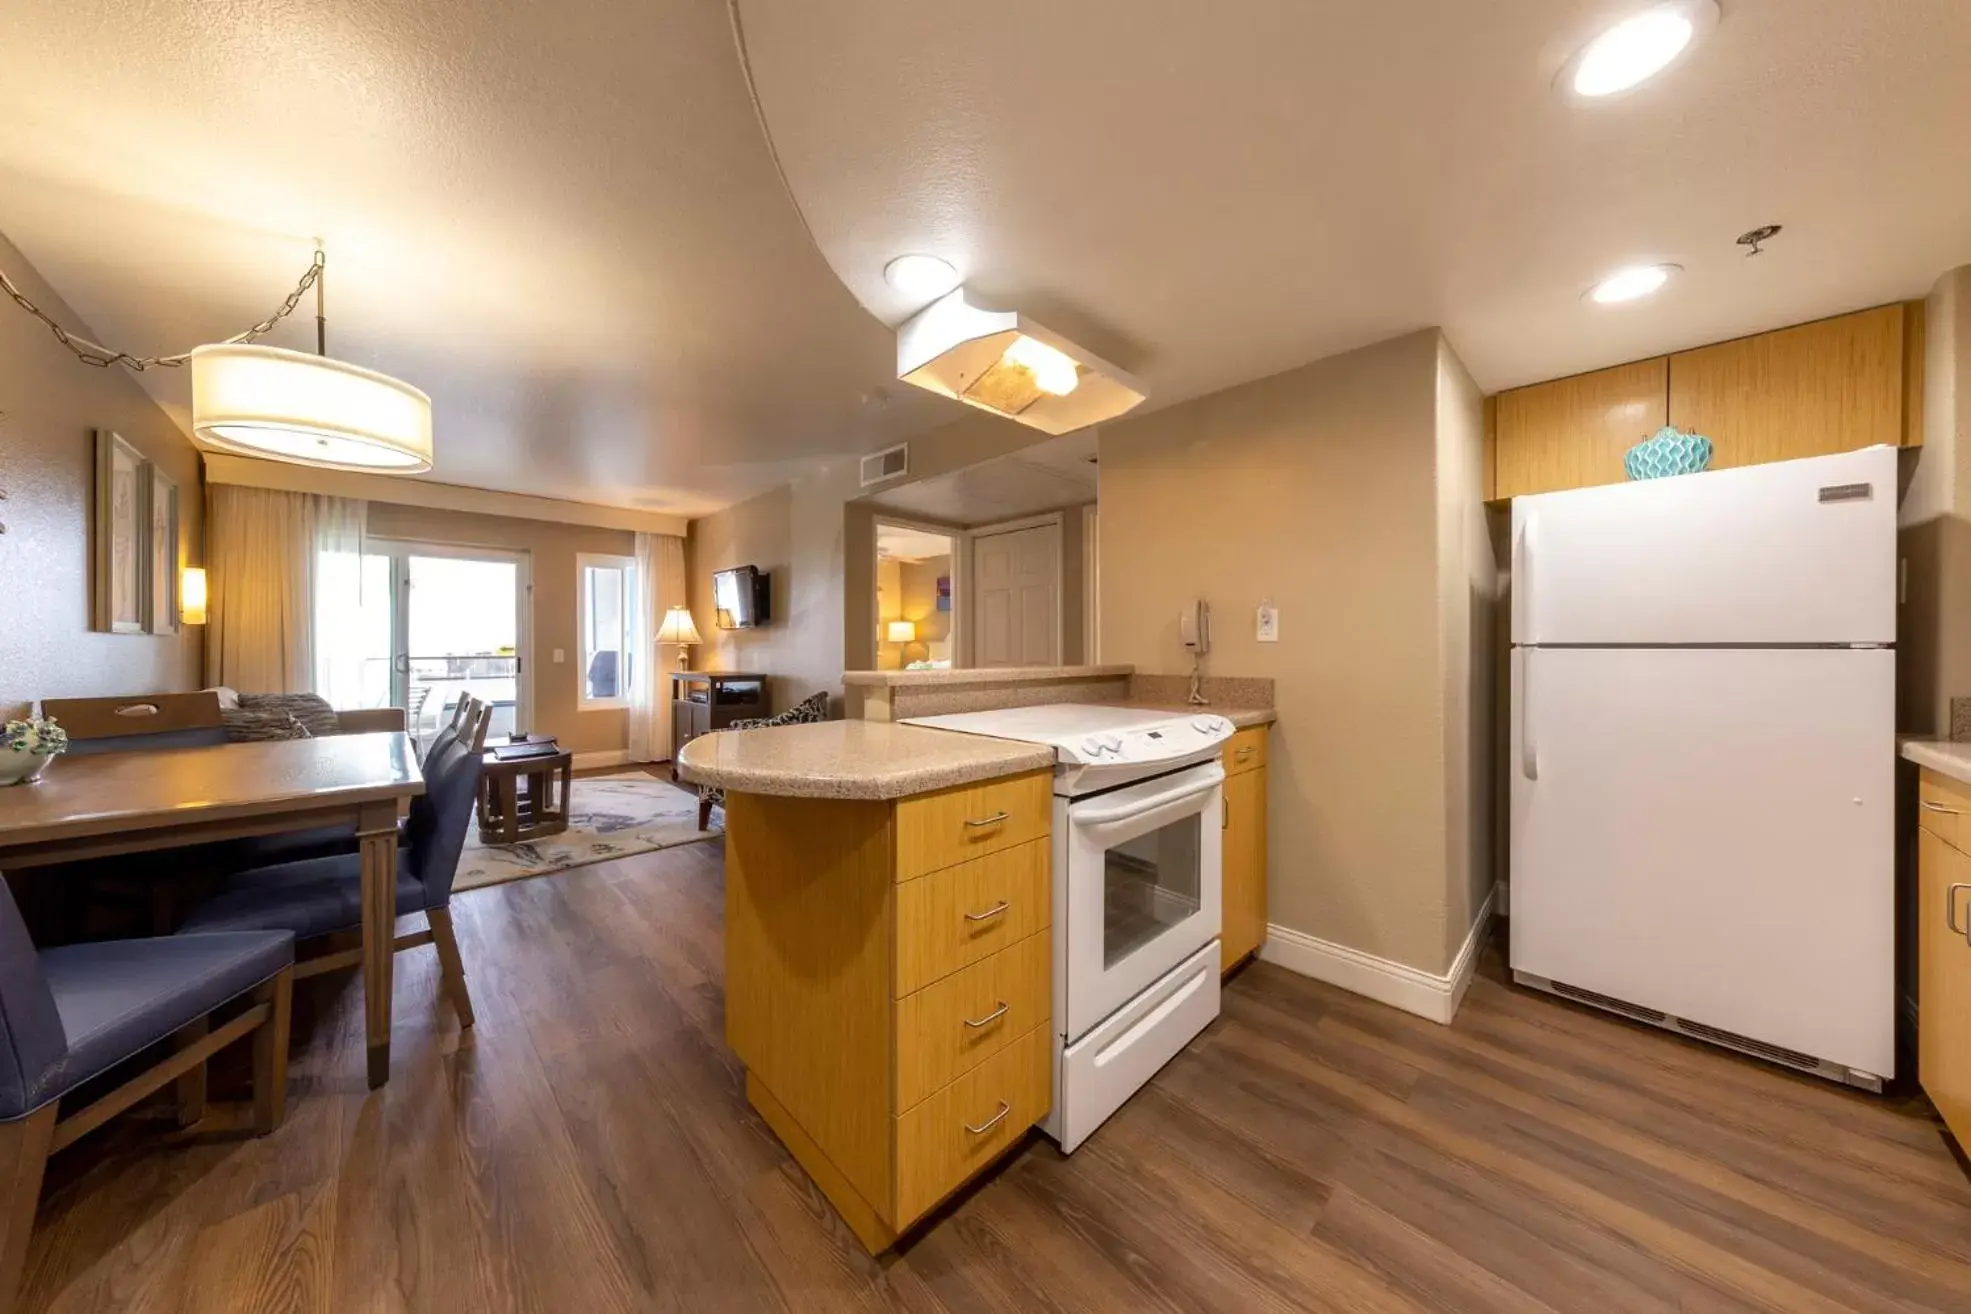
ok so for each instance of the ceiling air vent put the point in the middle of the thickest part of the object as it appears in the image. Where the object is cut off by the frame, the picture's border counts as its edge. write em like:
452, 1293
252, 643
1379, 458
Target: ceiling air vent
886, 464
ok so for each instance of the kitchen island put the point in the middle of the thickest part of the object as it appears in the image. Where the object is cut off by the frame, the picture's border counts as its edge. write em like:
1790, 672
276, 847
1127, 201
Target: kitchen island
888, 901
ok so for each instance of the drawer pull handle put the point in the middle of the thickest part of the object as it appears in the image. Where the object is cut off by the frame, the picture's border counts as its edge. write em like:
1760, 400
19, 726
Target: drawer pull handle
997, 1013
1950, 909
1928, 806
993, 1121
996, 910
992, 820
1245, 752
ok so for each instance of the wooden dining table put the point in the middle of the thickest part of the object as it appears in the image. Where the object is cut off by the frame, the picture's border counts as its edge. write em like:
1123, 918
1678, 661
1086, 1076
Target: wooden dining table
114, 804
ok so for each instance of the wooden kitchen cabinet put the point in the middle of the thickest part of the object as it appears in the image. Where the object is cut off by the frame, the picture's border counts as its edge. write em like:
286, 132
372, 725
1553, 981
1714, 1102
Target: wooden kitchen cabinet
1571, 433
1244, 927
1834, 385
1831, 386
889, 985
1943, 985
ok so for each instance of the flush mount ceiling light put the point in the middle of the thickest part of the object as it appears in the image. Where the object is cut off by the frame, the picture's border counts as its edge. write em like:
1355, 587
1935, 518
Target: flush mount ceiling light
285, 405
1003, 362
922, 277
1631, 283
1637, 48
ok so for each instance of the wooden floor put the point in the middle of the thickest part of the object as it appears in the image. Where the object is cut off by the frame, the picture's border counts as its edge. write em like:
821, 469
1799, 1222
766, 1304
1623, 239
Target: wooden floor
588, 1149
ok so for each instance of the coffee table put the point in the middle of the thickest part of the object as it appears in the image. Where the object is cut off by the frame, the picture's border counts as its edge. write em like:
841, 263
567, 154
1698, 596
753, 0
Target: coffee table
518, 800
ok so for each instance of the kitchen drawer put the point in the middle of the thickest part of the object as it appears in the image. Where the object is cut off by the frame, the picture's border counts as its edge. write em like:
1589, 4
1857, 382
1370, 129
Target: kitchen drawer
1941, 806
950, 1027
1943, 981
953, 918
1246, 750
963, 1127
937, 830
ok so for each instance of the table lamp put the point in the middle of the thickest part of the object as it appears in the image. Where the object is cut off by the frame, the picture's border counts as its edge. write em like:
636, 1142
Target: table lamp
902, 631
679, 629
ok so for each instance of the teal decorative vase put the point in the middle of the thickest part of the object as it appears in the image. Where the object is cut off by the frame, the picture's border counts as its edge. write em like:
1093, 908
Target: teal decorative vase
1668, 451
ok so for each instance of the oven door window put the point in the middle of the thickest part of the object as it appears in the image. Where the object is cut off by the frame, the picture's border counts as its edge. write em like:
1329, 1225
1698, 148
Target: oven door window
1149, 884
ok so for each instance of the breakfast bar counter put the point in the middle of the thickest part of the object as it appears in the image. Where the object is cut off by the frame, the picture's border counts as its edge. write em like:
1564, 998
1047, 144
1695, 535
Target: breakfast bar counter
870, 760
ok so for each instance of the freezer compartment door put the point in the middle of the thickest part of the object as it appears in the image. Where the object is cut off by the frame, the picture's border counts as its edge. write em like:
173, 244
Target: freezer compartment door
1791, 552
1710, 833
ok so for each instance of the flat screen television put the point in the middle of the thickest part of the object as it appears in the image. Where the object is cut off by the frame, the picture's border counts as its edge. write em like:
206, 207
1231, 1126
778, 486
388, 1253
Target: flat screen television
742, 597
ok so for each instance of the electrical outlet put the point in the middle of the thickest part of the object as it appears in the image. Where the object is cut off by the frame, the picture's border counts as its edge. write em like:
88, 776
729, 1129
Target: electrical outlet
1269, 624
559, 655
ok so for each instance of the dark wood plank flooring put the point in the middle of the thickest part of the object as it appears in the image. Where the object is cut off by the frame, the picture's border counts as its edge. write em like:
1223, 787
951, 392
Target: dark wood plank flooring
588, 1148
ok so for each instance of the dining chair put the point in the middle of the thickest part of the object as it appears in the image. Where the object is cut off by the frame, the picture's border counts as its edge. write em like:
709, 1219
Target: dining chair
70, 1014
321, 897
414, 702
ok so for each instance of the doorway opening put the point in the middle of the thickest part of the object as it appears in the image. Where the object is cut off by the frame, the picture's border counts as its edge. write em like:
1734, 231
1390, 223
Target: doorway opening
916, 597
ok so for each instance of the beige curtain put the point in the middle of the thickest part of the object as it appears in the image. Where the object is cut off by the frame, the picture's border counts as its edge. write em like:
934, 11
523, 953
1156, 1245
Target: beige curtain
262, 549
660, 586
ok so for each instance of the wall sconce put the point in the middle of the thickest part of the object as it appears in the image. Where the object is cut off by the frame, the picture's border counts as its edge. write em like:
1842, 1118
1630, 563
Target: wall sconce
191, 595
902, 631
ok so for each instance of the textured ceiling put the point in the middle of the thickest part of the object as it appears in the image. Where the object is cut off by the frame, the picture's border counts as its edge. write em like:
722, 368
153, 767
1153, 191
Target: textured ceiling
1211, 193
561, 220
1054, 473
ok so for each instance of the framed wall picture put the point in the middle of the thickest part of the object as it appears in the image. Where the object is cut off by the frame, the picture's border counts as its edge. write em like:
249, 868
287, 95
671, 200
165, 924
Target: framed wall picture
162, 564
121, 539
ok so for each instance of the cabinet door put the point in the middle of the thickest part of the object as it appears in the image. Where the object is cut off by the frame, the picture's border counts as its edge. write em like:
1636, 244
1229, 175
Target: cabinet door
1830, 386
1943, 999
1572, 433
1245, 866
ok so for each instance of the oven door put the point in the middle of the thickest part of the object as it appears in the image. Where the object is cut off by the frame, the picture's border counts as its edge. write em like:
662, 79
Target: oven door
1143, 883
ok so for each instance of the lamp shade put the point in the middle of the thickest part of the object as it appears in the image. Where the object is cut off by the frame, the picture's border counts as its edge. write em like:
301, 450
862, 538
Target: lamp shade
191, 595
902, 631
678, 627
311, 410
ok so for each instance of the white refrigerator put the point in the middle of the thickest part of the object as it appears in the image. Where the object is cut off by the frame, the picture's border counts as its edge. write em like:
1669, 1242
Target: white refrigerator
1703, 756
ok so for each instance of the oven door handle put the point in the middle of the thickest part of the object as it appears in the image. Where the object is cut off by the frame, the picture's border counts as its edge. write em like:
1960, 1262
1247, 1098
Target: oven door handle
1083, 815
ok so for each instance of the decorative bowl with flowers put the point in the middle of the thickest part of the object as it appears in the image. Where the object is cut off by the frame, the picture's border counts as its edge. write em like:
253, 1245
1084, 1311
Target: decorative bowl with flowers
27, 747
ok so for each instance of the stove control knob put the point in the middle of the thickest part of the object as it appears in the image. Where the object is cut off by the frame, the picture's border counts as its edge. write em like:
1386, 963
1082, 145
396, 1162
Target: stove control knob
1092, 746
1205, 725
1112, 743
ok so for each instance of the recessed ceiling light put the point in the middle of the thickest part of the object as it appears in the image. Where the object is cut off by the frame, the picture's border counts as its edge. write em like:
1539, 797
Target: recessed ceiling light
1637, 48
1631, 283
923, 276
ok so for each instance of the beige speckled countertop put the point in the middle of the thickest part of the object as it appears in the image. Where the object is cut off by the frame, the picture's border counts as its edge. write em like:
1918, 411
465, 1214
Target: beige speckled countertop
1952, 759
852, 759
982, 675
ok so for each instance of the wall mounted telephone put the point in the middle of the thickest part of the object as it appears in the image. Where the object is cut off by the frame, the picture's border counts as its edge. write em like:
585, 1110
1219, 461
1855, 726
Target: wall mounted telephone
1194, 627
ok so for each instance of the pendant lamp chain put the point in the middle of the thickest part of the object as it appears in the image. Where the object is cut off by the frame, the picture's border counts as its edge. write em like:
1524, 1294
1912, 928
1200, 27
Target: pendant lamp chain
95, 353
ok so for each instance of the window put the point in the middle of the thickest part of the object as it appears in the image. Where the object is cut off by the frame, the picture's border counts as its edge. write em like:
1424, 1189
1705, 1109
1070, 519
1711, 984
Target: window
609, 621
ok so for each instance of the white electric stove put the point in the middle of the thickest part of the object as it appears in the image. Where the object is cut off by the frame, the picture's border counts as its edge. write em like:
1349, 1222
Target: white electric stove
1138, 878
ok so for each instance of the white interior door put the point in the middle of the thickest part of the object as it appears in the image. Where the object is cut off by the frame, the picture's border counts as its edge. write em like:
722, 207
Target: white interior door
1710, 833
1016, 594
1792, 552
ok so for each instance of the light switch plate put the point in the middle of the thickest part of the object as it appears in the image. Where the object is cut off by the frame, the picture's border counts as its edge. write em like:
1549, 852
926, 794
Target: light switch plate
559, 655
1269, 624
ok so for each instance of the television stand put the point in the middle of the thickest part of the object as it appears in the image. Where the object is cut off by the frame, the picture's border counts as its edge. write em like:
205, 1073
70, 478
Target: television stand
704, 701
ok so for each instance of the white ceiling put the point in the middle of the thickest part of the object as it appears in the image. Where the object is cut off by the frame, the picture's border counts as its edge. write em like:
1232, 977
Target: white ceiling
561, 220
1211, 193
1055, 473
897, 543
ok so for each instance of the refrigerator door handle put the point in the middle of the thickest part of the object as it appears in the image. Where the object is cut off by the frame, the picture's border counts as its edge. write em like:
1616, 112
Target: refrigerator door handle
1522, 579
1529, 757
1950, 910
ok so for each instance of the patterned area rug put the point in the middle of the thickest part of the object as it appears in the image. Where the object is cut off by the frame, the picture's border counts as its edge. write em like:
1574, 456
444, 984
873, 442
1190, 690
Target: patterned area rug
611, 817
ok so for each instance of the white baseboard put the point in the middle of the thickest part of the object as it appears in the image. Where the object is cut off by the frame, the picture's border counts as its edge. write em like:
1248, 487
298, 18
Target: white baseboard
609, 758
1384, 980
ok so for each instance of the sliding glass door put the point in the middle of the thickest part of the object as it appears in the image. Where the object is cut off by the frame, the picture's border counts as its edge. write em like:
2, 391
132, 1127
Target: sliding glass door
418, 625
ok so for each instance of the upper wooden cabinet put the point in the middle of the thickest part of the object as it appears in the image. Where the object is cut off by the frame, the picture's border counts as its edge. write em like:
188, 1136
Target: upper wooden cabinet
1830, 386
1571, 433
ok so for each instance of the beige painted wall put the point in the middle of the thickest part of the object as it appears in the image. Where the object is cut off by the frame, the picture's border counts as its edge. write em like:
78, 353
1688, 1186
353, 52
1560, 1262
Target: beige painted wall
50, 404
1469, 659
1318, 489
552, 549
1933, 638
920, 599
